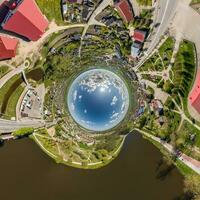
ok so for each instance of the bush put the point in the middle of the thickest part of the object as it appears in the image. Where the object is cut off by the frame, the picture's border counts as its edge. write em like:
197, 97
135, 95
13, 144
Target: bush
23, 132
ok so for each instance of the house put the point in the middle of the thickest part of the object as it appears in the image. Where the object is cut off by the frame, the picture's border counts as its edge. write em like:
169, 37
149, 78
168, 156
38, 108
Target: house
8, 47
139, 35
138, 40
25, 19
125, 11
194, 97
135, 51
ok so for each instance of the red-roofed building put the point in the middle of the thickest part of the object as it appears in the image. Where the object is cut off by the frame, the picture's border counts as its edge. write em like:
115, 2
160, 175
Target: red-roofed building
8, 47
26, 20
194, 97
139, 35
125, 11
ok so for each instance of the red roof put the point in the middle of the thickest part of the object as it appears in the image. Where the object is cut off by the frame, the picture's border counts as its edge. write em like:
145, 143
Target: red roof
194, 97
125, 11
27, 21
139, 35
8, 47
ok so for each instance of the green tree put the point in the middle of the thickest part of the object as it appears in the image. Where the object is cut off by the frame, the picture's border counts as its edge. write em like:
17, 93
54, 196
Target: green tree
192, 186
23, 132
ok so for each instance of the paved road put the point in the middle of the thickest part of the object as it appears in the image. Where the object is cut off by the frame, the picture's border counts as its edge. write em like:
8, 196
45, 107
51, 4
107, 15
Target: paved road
9, 126
99, 9
93, 21
165, 12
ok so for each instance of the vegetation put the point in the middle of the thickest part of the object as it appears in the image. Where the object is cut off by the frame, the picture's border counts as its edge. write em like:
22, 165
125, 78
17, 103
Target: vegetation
3, 70
184, 169
186, 133
23, 132
8, 86
144, 20
195, 1
192, 188
12, 102
184, 69
51, 9
160, 60
145, 2
166, 50
150, 123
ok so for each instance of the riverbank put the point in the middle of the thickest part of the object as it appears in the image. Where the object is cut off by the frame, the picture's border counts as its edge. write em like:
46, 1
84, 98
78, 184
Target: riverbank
41, 178
184, 163
81, 165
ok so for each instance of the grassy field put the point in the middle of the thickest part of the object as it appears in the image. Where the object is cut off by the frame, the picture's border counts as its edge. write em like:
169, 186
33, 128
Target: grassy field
154, 63
51, 9
186, 130
145, 2
184, 69
166, 50
3, 70
9, 95
195, 1
12, 102
6, 87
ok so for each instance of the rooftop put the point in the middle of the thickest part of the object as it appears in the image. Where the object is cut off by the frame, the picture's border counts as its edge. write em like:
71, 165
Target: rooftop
8, 47
125, 10
28, 15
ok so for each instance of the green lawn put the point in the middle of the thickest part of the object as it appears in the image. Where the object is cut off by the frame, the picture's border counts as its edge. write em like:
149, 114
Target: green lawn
166, 50
3, 70
186, 130
51, 9
145, 2
154, 63
195, 1
6, 87
184, 69
12, 102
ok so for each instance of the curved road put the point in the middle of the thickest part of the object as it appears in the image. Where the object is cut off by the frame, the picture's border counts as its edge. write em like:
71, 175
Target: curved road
10, 126
165, 11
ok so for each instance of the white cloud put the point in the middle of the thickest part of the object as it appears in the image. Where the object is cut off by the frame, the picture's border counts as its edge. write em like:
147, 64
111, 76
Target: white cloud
73, 107
114, 101
114, 115
75, 95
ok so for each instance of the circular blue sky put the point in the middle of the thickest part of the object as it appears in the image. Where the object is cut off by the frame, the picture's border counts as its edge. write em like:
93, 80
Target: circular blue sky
98, 100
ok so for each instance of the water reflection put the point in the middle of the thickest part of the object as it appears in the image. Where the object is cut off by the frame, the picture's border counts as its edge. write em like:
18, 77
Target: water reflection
31, 174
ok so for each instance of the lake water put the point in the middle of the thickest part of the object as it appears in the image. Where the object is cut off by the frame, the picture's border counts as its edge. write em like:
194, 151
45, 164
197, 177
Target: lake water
138, 173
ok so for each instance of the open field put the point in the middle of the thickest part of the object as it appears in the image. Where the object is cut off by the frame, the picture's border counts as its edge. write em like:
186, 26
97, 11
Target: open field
195, 1
6, 87
184, 69
3, 70
51, 9
145, 2
9, 94
166, 50
12, 102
